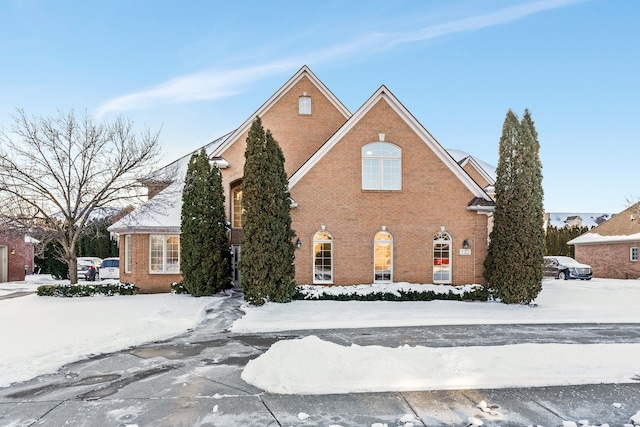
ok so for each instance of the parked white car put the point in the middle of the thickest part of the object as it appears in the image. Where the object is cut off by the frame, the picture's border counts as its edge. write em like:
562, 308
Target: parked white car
110, 269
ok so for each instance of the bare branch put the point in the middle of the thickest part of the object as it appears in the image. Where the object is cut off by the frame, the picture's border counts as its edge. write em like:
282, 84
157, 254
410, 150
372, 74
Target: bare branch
57, 173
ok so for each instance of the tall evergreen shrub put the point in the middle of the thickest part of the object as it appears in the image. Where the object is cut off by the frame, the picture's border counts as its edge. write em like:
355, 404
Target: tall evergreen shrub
267, 258
205, 259
513, 267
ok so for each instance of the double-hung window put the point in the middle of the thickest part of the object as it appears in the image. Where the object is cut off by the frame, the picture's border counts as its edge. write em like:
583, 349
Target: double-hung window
381, 166
164, 254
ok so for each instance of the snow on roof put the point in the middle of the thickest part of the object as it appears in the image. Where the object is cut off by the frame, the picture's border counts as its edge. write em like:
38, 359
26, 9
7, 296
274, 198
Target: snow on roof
460, 156
622, 227
561, 219
593, 238
178, 168
160, 214
30, 240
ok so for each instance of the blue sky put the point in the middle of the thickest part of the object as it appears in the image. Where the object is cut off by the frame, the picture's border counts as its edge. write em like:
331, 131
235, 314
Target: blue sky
198, 69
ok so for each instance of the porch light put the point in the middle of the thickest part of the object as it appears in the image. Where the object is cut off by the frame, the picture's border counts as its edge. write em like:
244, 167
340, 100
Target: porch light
465, 244
298, 243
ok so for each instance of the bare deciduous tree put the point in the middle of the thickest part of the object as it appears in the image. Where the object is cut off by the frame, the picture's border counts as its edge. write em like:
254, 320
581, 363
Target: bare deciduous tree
57, 173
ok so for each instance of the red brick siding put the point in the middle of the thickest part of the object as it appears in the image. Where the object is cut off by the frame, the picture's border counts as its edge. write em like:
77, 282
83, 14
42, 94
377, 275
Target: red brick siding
140, 276
299, 136
330, 194
19, 255
610, 261
477, 177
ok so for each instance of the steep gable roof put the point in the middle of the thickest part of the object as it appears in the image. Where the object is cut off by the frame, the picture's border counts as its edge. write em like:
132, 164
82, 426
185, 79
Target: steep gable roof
487, 171
303, 72
385, 94
162, 214
623, 227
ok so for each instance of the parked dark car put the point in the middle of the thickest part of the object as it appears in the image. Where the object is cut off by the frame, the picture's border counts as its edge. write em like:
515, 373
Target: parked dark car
564, 268
91, 273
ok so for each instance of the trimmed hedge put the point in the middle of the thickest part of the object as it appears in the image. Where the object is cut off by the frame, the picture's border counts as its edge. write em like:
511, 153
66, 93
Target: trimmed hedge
477, 294
107, 289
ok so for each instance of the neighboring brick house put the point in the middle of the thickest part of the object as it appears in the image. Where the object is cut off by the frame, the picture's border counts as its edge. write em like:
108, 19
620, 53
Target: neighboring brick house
611, 248
375, 198
16, 255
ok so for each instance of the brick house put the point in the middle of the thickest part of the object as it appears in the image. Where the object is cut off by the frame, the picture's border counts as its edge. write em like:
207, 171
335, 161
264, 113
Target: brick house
16, 255
611, 248
375, 198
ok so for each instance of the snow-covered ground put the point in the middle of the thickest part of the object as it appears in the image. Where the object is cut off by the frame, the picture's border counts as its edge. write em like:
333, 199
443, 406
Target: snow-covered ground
40, 334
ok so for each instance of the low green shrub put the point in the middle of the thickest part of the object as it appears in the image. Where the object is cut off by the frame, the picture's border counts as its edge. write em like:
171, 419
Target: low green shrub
478, 293
178, 288
107, 289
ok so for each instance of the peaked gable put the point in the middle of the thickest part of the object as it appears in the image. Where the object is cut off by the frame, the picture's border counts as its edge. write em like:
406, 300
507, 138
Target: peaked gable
486, 171
302, 73
384, 94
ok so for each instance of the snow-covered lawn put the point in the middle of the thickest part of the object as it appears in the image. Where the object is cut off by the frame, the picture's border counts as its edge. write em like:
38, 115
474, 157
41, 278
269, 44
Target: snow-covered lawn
40, 334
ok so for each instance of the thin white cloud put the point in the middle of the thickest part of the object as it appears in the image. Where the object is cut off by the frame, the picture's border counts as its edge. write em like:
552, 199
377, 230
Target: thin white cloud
217, 84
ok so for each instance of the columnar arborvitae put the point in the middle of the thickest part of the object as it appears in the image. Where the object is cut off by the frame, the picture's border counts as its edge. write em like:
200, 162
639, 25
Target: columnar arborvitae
267, 258
513, 267
205, 259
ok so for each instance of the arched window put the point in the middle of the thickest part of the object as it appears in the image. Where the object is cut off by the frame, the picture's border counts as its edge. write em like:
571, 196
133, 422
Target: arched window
383, 257
442, 257
381, 166
236, 206
322, 257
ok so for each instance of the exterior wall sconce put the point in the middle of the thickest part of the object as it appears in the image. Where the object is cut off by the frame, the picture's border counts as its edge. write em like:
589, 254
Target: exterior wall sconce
465, 244
13, 251
298, 243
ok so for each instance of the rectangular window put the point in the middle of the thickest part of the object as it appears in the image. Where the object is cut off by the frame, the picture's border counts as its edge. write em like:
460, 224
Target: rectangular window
391, 174
633, 254
127, 253
304, 105
381, 167
322, 262
236, 211
370, 174
164, 254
